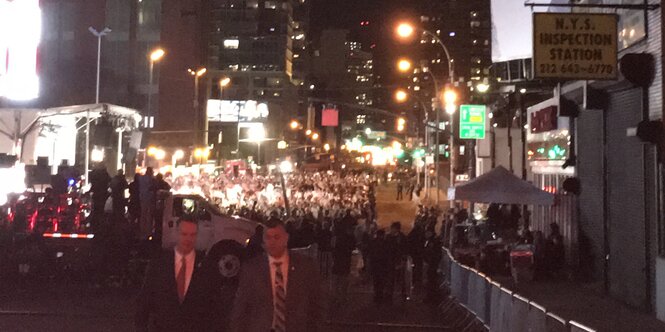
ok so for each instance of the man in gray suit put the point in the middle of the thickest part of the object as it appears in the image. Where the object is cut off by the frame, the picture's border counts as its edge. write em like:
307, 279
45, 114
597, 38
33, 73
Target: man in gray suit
278, 291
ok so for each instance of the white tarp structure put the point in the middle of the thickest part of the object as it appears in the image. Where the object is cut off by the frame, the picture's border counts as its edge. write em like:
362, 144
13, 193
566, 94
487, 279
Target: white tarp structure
501, 186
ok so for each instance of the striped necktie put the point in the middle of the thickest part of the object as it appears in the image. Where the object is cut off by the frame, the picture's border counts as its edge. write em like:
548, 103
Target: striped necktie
279, 310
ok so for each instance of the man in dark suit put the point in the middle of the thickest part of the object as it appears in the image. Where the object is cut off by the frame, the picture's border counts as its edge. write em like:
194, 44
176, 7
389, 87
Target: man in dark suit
177, 294
278, 291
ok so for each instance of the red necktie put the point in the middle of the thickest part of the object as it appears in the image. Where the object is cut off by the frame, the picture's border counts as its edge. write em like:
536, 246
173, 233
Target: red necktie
181, 278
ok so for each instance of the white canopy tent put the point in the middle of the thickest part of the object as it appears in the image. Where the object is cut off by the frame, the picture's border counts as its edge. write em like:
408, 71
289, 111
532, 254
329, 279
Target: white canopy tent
500, 186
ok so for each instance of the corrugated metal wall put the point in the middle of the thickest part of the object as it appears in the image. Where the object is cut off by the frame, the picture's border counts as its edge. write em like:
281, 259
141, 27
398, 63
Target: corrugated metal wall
590, 172
625, 198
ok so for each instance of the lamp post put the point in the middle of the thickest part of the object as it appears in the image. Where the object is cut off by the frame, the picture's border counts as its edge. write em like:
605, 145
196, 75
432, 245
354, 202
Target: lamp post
155, 56
406, 30
402, 96
99, 35
223, 82
197, 74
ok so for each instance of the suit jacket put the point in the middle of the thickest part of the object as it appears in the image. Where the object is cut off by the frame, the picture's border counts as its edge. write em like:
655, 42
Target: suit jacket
253, 306
158, 306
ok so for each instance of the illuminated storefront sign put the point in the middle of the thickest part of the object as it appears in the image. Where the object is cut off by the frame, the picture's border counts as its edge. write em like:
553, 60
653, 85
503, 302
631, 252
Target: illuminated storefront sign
20, 35
236, 110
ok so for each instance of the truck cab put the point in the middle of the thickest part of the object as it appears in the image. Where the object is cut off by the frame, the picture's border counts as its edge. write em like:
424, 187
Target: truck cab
223, 237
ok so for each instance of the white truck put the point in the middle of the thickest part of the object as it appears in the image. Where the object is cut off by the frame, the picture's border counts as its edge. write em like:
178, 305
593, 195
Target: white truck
225, 238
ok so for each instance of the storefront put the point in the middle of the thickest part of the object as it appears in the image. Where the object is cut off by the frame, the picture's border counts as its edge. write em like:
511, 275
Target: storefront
548, 150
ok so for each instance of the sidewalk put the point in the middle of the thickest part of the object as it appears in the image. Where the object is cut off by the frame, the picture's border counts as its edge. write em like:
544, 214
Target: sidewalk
582, 303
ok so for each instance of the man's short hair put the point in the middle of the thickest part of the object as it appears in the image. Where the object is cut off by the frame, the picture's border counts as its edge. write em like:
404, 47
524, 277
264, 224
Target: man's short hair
181, 220
274, 222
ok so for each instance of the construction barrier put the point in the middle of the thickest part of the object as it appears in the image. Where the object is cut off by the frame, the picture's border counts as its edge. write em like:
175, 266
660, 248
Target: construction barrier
498, 308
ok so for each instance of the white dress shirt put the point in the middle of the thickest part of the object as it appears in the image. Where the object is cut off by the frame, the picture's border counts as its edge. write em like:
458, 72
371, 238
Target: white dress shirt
189, 269
285, 271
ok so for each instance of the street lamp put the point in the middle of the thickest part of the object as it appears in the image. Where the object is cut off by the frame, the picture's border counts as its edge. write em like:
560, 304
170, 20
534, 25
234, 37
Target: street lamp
257, 134
155, 56
404, 31
401, 95
99, 35
177, 155
308, 132
294, 124
315, 136
404, 65
197, 74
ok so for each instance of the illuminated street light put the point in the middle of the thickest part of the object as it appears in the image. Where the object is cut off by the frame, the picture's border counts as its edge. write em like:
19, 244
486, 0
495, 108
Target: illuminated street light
449, 97
368, 131
315, 136
308, 132
160, 154
326, 147
405, 30
224, 82
401, 123
177, 155
151, 151
404, 65
401, 95
282, 145
294, 124
157, 54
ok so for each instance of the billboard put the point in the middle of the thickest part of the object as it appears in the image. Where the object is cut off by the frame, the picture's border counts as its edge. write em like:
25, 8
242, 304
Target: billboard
236, 110
575, 46
512, 28
20, 35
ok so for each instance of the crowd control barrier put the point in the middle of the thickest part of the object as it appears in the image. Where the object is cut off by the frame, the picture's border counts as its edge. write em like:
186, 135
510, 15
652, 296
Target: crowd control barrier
496, 307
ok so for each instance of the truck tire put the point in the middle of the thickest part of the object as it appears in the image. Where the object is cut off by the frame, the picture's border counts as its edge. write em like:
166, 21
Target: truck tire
227, 256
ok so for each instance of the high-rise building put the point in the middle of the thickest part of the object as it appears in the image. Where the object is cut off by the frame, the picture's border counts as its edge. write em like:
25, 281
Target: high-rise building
259, 50
342, 72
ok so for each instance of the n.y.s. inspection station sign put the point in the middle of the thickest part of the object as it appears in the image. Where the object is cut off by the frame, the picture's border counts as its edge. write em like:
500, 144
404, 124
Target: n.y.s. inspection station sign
575, 46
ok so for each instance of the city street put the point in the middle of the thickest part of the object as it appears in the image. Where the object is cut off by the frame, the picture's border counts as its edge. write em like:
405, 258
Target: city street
60, 304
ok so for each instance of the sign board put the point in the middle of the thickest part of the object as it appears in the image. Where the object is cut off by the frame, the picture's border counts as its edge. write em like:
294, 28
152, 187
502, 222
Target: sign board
236, 110
329, 117
472, 121
377, 134
575, 46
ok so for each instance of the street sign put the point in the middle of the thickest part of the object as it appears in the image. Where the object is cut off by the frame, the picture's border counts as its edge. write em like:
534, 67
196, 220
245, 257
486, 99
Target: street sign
575, 46
472, 122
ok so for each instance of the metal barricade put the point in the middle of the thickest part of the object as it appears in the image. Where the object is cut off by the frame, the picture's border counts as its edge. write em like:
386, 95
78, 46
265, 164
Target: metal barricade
495, 305
554, 323
577, 327
456, 281
478, 296
518, 314
536, 318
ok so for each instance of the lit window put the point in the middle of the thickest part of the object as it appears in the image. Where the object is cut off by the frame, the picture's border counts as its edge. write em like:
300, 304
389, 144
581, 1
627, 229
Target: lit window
231, 44
416, 88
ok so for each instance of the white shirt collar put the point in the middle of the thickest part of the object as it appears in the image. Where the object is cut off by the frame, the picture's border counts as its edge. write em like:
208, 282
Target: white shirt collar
284, 259
188, 257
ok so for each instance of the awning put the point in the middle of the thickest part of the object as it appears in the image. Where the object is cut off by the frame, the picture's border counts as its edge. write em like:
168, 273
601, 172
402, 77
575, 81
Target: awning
501, 186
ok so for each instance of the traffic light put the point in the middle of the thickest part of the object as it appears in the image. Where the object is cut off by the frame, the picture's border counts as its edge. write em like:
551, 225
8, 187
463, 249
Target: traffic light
401, 124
